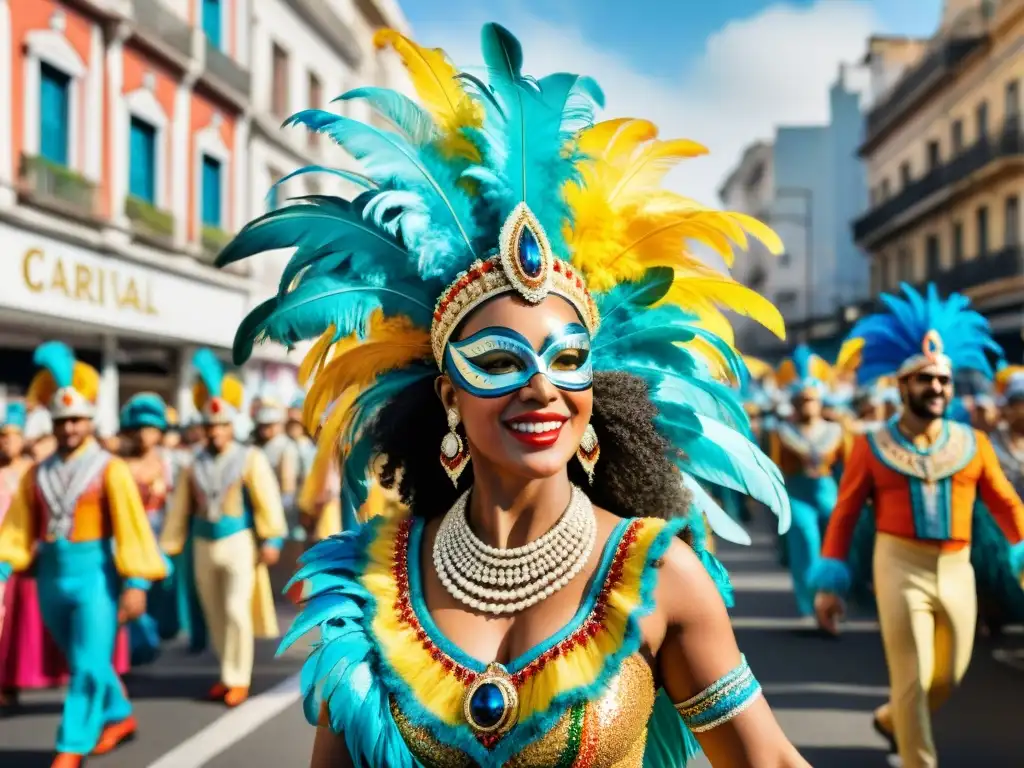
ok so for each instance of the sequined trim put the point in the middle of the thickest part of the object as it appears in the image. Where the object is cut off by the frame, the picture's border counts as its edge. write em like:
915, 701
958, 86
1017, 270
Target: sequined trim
587, 630
952, 455
721, 701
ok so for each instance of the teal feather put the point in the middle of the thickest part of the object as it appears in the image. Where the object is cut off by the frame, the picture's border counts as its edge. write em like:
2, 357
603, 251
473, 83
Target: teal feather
250, 330
350, 176
719, 520
447, 244
15, 415
644, 292
210, 370
669, 742
408, 117
145, 409
57, 358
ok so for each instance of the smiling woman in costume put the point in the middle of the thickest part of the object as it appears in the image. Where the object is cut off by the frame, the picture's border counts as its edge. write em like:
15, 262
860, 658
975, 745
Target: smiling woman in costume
500, 315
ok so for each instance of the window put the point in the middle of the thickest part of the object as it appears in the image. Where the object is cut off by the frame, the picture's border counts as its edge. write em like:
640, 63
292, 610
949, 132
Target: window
315, 102
934, 155
906, 267
1013, 99
885, 190
892, 272
786, 301
981, 224
981, 120
957, 136
54, 114
876, 277
905, 177
785, 259
279, 95
211, 22
211, 182
933, 255
1012, 219
958, 242
142, 161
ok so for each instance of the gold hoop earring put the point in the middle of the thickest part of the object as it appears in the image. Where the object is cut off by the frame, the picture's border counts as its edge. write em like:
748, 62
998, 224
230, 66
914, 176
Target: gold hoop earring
589, 452
454, 455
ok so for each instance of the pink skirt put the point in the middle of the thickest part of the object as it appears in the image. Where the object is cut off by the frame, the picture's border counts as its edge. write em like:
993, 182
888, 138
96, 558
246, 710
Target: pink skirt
29, 657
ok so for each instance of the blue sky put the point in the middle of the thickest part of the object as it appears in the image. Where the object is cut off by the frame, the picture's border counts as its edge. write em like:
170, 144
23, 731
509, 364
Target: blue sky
660, 37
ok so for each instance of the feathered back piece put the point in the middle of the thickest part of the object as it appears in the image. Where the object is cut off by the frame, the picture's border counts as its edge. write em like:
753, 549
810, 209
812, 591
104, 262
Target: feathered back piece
919, 331
499, 184
146, 409
15, 416
804, 370
67, 387
218, 397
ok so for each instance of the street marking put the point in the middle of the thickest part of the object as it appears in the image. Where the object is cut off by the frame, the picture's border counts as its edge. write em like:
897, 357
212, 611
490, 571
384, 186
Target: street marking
778, 623
231, 727
831, 689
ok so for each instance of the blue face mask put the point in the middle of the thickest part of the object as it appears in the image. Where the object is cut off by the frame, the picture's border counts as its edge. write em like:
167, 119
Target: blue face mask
497, 361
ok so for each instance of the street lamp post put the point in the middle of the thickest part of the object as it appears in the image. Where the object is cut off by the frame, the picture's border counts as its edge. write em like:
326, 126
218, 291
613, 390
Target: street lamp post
806, 220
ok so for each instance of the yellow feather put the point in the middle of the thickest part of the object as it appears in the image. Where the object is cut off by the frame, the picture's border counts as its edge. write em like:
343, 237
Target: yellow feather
316, 356
848, 359
1003, 377
436, 82
786, 373
695, 292
758, 368
760, 230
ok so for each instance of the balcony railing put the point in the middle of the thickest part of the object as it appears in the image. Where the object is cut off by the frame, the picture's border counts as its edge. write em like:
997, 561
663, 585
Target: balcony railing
228, 72
934, 70
161, 26
1008, 262
149, 223
54, 186
1009, 142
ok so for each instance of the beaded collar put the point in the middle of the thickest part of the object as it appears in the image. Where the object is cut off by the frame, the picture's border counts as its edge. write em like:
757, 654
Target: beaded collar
952, 452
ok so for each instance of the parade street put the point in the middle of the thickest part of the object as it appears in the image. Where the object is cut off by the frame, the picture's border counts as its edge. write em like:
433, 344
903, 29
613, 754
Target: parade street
822, 690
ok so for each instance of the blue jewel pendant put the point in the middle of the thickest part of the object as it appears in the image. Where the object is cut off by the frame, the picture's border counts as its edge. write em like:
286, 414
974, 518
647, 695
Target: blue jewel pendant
491, 703
530, 258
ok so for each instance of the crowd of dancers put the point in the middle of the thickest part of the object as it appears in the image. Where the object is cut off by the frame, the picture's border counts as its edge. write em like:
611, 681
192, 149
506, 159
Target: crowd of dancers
110, 549
904, 495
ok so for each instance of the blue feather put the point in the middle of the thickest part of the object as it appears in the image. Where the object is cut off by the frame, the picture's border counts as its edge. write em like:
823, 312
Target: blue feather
723, 525
209, 370
57, 358
145, 409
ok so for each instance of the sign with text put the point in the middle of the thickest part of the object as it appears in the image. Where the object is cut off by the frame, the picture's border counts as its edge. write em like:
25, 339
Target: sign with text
44, 275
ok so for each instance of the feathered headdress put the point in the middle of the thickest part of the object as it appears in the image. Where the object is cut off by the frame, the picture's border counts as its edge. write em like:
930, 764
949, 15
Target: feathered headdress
919, 331
15, 416
267, 409
218, 397
803, 371
506, 187
146, 409
66, 387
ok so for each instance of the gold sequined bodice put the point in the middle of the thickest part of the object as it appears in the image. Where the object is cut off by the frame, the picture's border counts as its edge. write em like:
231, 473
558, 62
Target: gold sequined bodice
608, 732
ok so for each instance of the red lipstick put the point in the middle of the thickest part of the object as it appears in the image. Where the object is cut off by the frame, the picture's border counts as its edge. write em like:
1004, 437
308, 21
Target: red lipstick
536, 438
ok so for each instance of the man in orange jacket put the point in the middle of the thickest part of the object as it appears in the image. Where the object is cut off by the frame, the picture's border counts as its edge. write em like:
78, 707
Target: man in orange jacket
923, 473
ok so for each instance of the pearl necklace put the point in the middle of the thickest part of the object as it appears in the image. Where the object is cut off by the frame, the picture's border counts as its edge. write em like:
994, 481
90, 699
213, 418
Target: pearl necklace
501, 581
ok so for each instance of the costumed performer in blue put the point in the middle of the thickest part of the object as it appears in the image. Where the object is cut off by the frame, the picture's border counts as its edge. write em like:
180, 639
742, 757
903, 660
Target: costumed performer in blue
515, 275
143, 423
78, 520
229, 505
922, 473
806, 448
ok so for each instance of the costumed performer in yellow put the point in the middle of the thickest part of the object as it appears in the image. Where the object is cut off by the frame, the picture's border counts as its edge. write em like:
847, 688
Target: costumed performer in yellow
922, 472
520, 284
228, 501
78, 520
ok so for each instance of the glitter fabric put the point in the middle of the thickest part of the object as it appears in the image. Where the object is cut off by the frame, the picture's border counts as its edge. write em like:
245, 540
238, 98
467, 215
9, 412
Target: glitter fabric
609, 732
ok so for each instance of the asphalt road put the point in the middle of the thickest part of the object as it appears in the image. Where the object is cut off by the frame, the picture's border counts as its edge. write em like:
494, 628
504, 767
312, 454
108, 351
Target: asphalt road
822, 691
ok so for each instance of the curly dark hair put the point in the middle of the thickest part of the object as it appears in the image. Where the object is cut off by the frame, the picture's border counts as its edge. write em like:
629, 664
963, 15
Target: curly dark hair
635, 476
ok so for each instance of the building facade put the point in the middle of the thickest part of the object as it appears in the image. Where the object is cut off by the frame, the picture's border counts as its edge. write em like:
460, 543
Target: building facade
142, 134
808, 185
944, 151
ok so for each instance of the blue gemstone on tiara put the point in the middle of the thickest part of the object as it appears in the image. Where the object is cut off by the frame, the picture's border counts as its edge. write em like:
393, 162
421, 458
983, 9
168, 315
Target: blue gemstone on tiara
530, 258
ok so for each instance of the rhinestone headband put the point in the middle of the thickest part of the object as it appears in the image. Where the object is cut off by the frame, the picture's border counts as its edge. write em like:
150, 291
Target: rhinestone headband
524, 265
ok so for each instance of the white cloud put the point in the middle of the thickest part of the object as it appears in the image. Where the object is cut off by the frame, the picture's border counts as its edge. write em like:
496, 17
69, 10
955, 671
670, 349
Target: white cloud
753, 74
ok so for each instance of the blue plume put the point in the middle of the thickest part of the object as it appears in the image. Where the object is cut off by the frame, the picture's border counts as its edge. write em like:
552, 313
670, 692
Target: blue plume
209, 370
15, 415
58, 358
894, 336
408, 117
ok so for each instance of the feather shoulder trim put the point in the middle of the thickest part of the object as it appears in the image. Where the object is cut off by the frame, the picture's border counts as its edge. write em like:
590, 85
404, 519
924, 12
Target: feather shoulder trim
340, 683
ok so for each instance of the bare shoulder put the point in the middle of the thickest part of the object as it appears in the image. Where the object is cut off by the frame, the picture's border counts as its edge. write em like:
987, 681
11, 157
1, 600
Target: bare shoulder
686, 592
